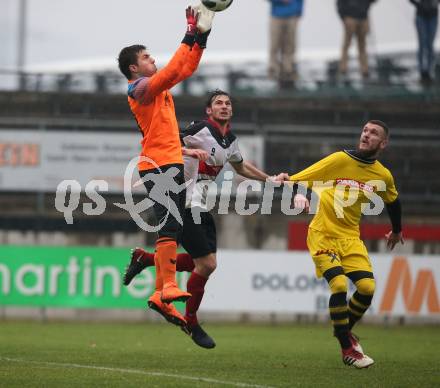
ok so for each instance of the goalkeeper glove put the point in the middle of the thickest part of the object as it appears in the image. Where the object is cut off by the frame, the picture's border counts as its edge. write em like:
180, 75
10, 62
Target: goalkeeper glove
204, 24
205, 17
191, 25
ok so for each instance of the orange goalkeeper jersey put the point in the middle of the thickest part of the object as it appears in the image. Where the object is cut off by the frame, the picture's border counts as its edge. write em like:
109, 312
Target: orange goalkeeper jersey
153, 108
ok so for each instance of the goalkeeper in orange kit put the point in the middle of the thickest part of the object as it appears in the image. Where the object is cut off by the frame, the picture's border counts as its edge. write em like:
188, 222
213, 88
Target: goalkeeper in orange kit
161, 164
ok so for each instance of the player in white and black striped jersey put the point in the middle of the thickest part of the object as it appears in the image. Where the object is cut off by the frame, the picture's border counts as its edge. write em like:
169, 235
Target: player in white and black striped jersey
213, 136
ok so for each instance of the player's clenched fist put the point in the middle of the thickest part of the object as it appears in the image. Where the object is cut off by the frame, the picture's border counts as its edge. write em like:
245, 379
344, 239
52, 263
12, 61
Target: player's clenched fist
301, 202
279, 178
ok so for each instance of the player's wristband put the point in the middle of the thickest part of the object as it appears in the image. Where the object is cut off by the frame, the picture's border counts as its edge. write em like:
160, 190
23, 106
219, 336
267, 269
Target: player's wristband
202, 38
189, 39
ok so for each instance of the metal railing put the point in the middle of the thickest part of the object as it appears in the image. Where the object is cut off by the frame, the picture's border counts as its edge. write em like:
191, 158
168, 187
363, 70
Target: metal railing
389, 77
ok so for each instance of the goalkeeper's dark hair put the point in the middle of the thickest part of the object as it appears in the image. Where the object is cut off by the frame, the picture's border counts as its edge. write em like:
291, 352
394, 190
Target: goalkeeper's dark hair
127, 57
213, 94
381, 124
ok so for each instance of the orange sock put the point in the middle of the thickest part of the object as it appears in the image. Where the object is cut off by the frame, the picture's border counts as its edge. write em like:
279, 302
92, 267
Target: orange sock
159, 280
166, 252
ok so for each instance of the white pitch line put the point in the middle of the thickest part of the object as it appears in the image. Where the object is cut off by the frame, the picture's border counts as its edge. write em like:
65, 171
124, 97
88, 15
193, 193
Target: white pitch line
135, 371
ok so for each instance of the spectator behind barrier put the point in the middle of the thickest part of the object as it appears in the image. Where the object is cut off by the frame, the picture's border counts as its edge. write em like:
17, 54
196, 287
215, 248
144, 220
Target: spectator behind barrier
285, 15
354, 15
426, 24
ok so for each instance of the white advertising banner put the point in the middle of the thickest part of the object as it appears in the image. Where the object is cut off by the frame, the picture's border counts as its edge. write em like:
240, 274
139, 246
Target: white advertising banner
285, 282
40, 160
32, 160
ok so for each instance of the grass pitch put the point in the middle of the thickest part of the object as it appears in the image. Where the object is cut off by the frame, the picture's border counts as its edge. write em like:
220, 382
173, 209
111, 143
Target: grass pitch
160, 355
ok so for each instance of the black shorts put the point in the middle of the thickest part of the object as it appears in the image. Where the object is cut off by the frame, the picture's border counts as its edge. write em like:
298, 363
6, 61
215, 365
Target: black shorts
170, 201
199, 239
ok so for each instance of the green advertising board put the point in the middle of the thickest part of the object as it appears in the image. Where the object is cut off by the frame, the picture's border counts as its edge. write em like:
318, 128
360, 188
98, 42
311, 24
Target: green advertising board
72, 277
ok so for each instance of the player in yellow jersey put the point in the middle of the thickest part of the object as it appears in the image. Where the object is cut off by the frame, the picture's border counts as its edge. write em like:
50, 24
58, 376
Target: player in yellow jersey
349, 184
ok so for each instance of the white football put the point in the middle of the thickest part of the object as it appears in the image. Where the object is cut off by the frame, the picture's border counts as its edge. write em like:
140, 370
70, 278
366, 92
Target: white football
217, 5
